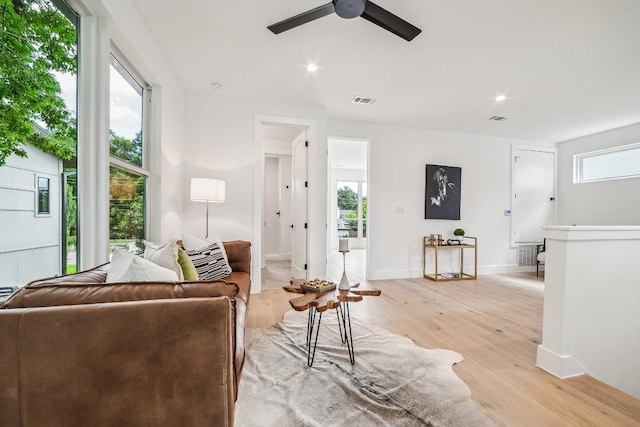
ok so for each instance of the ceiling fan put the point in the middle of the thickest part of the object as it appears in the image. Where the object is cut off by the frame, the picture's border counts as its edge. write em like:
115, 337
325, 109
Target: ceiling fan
349, 9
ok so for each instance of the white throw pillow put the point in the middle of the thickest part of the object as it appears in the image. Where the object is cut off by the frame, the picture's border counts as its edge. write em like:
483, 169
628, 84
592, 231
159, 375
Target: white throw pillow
192, 243
164, 255
126, 267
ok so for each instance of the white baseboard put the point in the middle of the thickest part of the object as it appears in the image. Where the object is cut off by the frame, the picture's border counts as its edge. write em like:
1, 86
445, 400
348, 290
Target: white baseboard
394, 274
509, 268
277, 257
414, 274
561, 366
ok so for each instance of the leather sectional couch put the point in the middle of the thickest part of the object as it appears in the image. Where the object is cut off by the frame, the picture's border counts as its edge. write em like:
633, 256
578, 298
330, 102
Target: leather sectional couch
78, 351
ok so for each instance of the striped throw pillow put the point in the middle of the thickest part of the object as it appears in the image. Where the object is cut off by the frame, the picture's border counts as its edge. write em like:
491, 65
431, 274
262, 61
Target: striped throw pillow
210, 263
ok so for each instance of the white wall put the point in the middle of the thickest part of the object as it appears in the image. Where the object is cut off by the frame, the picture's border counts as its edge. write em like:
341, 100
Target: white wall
396, 194
224, 142
615, 202
591, 298
30, 247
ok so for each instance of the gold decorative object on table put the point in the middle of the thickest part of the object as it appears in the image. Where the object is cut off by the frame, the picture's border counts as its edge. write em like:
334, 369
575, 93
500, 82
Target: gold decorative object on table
317, 285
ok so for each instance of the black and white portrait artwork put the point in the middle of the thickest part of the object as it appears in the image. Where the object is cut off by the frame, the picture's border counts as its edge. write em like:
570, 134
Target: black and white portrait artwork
442, 195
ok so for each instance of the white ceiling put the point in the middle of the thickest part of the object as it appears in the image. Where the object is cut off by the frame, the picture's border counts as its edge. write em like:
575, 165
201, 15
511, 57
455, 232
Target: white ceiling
569, 67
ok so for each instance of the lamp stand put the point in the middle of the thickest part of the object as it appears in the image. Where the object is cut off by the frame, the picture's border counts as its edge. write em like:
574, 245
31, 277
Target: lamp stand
206, 234
344, 282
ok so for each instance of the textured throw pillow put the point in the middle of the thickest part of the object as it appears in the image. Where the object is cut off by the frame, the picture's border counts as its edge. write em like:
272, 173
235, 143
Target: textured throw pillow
210, 263
188, 269
164, 255
126, 267
192, 243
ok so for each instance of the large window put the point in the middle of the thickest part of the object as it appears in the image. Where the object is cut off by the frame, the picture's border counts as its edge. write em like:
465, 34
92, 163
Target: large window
352, 209
614, 163
128, 171
38, 87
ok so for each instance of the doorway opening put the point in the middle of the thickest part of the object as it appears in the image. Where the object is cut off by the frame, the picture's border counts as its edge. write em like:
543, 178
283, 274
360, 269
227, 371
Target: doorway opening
348, 207
284, 204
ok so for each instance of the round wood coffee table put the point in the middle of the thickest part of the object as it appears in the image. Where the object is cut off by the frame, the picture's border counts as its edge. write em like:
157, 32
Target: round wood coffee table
319, 302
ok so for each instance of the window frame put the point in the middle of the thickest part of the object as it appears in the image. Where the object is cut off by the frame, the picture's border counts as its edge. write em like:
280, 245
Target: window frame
146, 120
360, 232
38, 213
579, 158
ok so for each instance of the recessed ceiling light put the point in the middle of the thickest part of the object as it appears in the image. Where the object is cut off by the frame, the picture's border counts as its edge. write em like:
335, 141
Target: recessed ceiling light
312, 67
500, 97
216, 86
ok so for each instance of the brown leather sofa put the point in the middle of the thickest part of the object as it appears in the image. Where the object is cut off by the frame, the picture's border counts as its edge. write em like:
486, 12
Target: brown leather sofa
77, 351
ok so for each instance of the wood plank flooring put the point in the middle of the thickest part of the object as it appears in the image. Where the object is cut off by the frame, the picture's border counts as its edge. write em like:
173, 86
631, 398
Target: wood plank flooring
495, 322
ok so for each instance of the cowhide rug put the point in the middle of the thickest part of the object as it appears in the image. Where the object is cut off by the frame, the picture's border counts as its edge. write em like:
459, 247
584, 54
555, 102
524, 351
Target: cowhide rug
393, 382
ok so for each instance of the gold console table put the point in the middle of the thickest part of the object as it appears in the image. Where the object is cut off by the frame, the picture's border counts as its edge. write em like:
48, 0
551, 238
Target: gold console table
434, 247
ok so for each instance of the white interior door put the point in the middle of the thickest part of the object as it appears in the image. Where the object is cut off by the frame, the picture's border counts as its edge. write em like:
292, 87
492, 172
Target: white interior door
271, 210
533, 195
299, 217
285, 206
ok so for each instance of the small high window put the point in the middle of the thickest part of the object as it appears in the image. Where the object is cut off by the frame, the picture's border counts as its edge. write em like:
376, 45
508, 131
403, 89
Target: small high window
613, 163
43, 196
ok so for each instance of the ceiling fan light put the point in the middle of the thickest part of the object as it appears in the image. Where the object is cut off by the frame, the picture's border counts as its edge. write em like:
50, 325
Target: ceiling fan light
349, 9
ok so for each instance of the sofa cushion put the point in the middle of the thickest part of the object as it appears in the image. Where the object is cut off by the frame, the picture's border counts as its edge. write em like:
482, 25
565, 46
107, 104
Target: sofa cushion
164, 255
126, 267
210, 263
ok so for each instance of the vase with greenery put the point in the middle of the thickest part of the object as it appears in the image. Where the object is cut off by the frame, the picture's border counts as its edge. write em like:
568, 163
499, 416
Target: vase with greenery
458, 233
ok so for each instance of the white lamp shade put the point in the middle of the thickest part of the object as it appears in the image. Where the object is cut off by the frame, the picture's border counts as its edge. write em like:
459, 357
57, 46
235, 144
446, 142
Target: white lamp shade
207, 190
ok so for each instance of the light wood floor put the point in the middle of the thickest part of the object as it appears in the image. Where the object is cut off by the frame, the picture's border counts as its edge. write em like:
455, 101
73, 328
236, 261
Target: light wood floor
496, 324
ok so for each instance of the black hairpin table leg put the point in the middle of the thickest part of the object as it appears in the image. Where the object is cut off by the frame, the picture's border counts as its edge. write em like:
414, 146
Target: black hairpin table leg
345, 320
311, 351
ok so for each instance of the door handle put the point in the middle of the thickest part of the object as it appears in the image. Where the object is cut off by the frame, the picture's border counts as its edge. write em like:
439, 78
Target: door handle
291, 226
278, 213
551, 199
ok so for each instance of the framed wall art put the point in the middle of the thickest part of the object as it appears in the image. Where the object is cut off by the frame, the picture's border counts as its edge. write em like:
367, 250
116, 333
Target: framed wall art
442, 193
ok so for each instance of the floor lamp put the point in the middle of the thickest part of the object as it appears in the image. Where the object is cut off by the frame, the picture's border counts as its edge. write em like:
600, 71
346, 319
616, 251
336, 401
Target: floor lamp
343, 246
207, 190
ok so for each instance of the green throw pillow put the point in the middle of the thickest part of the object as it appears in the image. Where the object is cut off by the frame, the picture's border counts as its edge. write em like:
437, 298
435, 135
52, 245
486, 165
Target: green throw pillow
188, 269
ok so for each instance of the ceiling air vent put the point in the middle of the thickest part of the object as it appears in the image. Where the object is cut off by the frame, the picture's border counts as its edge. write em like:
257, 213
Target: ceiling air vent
363, 100
498, 118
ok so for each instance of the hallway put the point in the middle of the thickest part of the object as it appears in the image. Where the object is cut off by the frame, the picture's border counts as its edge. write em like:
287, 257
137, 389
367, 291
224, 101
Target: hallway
278, 272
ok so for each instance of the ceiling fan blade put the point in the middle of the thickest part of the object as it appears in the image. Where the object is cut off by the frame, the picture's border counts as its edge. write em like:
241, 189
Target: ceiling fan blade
389, 21
302, 18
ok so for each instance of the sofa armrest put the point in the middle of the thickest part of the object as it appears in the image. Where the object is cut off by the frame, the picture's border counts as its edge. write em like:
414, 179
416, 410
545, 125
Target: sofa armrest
161, 362
239, 255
